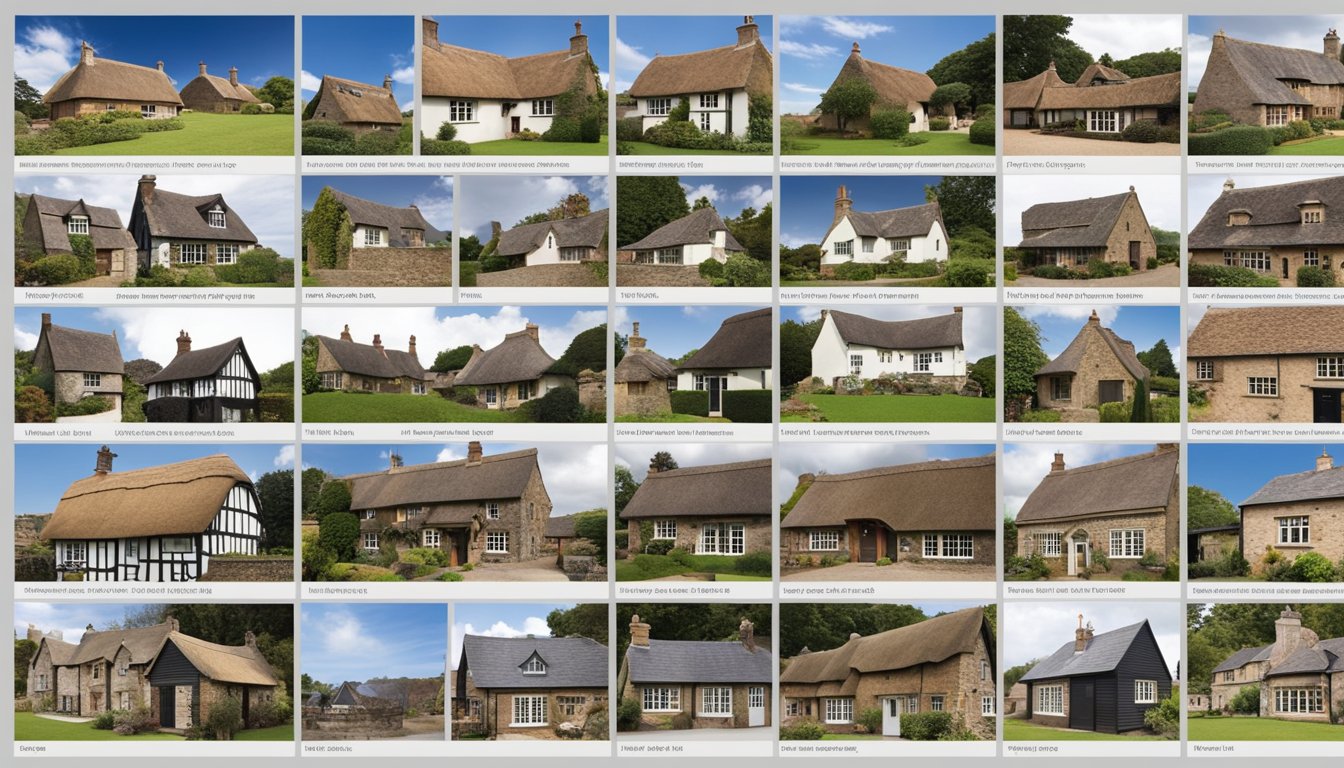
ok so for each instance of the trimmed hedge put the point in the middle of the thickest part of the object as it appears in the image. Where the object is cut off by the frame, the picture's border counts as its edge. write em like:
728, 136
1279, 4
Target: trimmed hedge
436, 147
970, 273
1218, 276
1315, 277
690, 401
748, 406
1236, 140
983, 131
854, 271
939, 124
630, 129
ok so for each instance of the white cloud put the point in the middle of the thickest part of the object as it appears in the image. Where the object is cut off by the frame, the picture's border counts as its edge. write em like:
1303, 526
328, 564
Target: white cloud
343, 631
1079, 312
532, 625
309, 82
810, 51
437, 206
803, 88
1026, 464
630, 61
447, 453
604, 78
1197, 49
794, 240
151, 332
635, 456
704, 190
284, 457
576, 476
24, 339
44, 55
404, 75
755, 195
1124, 35
852, 29
508, 199
1159, 195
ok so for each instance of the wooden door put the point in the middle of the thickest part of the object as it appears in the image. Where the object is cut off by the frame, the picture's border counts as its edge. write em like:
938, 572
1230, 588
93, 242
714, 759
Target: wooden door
867, 543
1134, 254
715, 386
1325, 406
515, 124
102, 263
891, 716
1082, 704
167, 707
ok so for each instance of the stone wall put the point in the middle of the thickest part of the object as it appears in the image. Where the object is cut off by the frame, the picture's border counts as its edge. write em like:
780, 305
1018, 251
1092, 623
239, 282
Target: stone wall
593, 390
249, 569
542, 275
330, 724
1131, 225
653, 275
1098, 364
646, 398
1260, 529
1229, 400
1160, 531
1332, 255
757, 533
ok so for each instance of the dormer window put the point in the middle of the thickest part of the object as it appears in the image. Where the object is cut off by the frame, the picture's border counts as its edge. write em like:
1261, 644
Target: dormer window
216, 218
78, 225
1313, 212
534, 666
1238, 218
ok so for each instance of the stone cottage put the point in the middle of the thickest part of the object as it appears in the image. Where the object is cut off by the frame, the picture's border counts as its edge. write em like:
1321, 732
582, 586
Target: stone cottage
928, 348
914, 234
355, 105
942, 664
81, 364
184, 231
1272, 85
212, 93
715, 509
1097, 367
1122, 508
1102, 100
740, 355
513, 372
697, 237
52, 225
1295, 514
1299, 676
346, 365
643, 379
98, 85
895, 87
1073, 233
530, 687
1280, 364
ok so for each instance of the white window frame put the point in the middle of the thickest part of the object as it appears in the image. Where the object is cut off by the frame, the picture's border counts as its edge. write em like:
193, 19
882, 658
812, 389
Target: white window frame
492, 510
658, 107
524, 390
936, 703
494, 540
1298, 700
1203, 370
726, 539
462, 111
226, 253
898, 244
534, 666
867, 244
1312, 216
665, 528
823, 541
949, 546
572, 253
529, 710
844, 247
1256, 261
673, 254
856, 365
216, 219
1050, 543
923, 362
76, 552
331, 379
543, 107
431, 537
1103, 121
1293, 530
1262, 386
1330, 367
716, 701
193, 253
709, 101
1126, 543
1276, 115
370, 541
1145, 691
491, 396
838, 710
148, 111
1049, 700
662, 698
77, 225
373, 236
987, 706
177, 545
93, 380
705, 124
1311, 257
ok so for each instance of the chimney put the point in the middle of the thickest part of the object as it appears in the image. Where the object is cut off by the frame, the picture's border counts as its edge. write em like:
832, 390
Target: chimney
104, 463
1058, 464
639, 632
1167, 447
1287, 633
429, 31
854, 50
200, 69
174, 625
956, 310
46, 321
842, 203
473, 453
746, 632
578, 44
387, 82
249, 639
146, 188
805, 478
1324, 462
1052, 65
1131, 189
410, 346
635, 341
159, 65
748, 33
495, 229
183, 343
345, 333
394, 460
824, 313
85, 53
653, 468
378, 341
534, 331
1081, 636
1229, 185
233, 76
1094, 319
1332, 44
88, 627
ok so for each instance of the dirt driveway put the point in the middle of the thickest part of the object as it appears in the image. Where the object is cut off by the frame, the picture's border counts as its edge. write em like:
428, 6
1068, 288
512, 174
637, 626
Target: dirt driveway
1165, 276
898, 571
1020, 142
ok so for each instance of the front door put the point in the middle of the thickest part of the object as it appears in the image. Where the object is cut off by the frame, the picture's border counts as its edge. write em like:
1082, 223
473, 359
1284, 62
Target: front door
715, 386
167, 707
1110, 391
460, 547
1325, 406
891, 716
1081, 558
756, 706
867, 543
246, 708
1134, 254
102, 263
1082, 704
515, 124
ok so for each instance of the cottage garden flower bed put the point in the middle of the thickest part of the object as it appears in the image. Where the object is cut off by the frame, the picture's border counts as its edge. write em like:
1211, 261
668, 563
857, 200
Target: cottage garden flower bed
887, 398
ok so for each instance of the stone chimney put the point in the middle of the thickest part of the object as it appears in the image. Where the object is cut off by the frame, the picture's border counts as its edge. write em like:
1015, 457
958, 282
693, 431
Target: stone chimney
1331, 46
85, 53
1167, 447
1131, 189
1094, 319
249, 639
146, 187
104, 462
746, 632
635, 341
233, 76
378, 341
805, 479
200, 69
410, 346
639, 632
345, 333
1082, 635
174, 625
473, 453
1288, 635
46, 321
842, 204
159, 65
824, 313
387, 82
1052, 65
1229, 185
183, 343
1058, 464
394, 460
429, 31
88, 627
1324, 461
578, 44
534, 331
956, 310
748, 33
854, 49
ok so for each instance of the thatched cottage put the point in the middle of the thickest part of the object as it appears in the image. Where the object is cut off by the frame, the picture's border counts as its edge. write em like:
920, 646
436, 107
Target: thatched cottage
52, 225
643, 379
357, 106
1300, 676
216, 384
154, 524
698, 683
1097, 367
1073, 233
697, 237
1296, 514
1274, 230
530, 687
1262, 364
99, 85
563, 241
346, 365
942, 664
1272, 85
895, 87
513, 372
1123, 509
212, 93
481, 509
81, 364
183, 231
738, 356
488, 97
376, 225
714, 509
718, 83
854, 345
940, 511
901, 235
1102, 683
1101, 100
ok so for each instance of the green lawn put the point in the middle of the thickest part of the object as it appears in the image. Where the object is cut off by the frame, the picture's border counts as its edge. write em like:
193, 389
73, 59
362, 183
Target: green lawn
1330, 146
30, 727
852, 737
669, 418
902, 408
274, 733
516, 147
1261, 729
1022, 730
939, 143
207, 134
644, 567
645, 148
466, 273
342, 407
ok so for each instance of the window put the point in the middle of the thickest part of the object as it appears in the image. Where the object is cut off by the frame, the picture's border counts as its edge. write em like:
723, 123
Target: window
93, 380
704, 122
1127, 543
431, 537
461, 111
78, 225
856, 365
709, 101
986, 706
76, 553
1330, 367
373, 236
895, 244
1264, 386
570, 706
948, 545
97, 670
1145, 691
524, 390
867, 244
844, 248
177, 545
662, 699
923, 360
226, 253
698, 383
371, 541
1276, 116
543, 107
1294, 530
529, 710
1311, 258
1061, 388
491, 510
938, 357
491, 396
42, 683
839, 710
474, 707
884, 356
1102, 121
418, 388
148, 111
497, 542
534, 666
572, 253
984, 669
823, 541
722, 539
1298, 700
369, 514
659, 107
123, 667
1204, 370
331, 380
193, 253
132, 549
1229, 676
716, 701
1311, 217
1050, 543
936, 703
1050, 700
1259, 261
216, 219
670, 255
664, 529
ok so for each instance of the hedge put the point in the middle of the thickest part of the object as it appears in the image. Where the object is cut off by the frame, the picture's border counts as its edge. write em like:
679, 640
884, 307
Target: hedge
436, 147
630, 129
1218, 276
890, 123
690, 401
854, 271
925, 726
748, 406
970, 273
939, 124
56, 269
560, 405
1315, 277
277, 407
1237, 140
983, 131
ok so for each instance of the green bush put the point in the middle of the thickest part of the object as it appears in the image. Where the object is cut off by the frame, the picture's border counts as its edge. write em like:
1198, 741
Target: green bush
1218, 276
1312, 566
925, 726
590, 129
1040, 415
870, 719
56, 269
436, 147
559, 406
325, 129
983, 130
1246, 701
628, 714
225, 718
674, 133
1017, 568
690, 402
630, 129
711, 269
970, 273
804, 730
911, 269
760, 124
199, 276
1165, 718
85, 406
748, 406
1164, 383
753, 564
939, 124
1152, 262
562, 129
259, 265
890, 123
659, 546
743, 271
1142, 131
251, 109
1053, 272
852, 270
425, 556
1236, 140
376, 143
680, 112
883, 562
104, 721
447, 132
1315, 277
1115, 413
338, 532
312, 145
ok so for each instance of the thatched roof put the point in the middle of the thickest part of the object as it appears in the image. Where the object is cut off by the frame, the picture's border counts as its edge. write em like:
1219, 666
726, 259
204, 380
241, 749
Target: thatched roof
731, 67
914, 221
1026, 94
742, 341
582, 231
349, 101
237, 664
1157, 90
501, 476
644, 365
1071, 358
1097, 72
1073, 223
1285, 330
519, 357
377, 362
1130, 484
927, 642
695, 227
142, 642
199, 363
1264, 68
224, 87
168, 500
895, 86
105, 228
1102, 654
1311, 485
570, 662
936, 332
560, 527
452, 71
942, 495
60, 651
700, 661
113, 80
1276, 219
185, 217
736, 489
392, 218
73, 349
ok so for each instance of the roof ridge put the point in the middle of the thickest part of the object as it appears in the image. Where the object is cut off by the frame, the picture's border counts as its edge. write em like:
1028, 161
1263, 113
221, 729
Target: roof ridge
928, 465
706, 469
1111, 462
430, 465
130, 472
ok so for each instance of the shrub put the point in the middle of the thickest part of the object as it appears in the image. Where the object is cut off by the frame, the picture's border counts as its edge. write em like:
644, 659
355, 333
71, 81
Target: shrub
425, 556
324, 129
464, 395
890, 123
267, 714
1052, 272
338, 532
225, 718
870, 719
983, 131
761, 121
630, 129
970, 273
56, 269
753, 564
1312, 566
743, 271
252, 109
916, 269
748, 406
376, 143
1017, 568
447, 132
882, 562
1114, 413
1165, 718
1218, 276
133, 721
590, 129
1040, 415
925, 726
851, 270
939, 124
659, 546
85, 406
1142, 131
690, 402
562, 129
559, 406
1236, 140
1315, 277
450, 576
805, 730
317, 146
259, 265
436, 147
711, 269
105, 720
1246, 701
199, 276
1152, 262
628, 713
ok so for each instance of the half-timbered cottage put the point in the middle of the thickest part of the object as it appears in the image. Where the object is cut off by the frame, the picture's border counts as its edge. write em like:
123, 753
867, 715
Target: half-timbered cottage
81, 363
51, 225
513, 686
99, 85
212, 93
183, 231
215, 384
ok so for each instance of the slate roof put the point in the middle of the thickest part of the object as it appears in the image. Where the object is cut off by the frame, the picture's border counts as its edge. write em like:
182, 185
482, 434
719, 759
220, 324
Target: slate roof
935, 332
1131, 483
500, 476
1275, 217
1262, 68
392, 218
368, 360
1284, 330
1071, 358
1103, 654
350, 101
73, 349
177, 216
742, 341
943, 494
1301, 486
108, 79
1325, 656
695, 227
105, 228
1243, 657
571, 662
926, 642
1072, 224
736, 489
699, 661
198, 363
914, 221
450, 70
519, 357
583, 231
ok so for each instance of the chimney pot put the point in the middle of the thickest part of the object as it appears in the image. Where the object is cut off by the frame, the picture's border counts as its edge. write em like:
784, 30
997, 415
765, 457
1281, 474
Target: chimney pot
1058, 466
183, 343
1080, 637
855, 47
1229, 185
200, 68
88, 627
1052, 65
578, 44
474, 452
639, 632
159, 65
1324, 461
387, 82
378, 341
46, 320
748, 33
534, 331
104, 463
394, 460
410, 346
956, 310
1094, 319
233, 76
345, 333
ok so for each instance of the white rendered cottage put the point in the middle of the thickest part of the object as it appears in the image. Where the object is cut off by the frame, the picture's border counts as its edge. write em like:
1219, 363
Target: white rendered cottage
854, 345
697, 237
911, 235
737, 356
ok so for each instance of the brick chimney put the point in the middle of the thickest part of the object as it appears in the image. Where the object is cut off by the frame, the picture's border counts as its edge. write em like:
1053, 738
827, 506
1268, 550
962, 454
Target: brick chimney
345, 333
46, 321
1324, 462
635, 341
85, 53
639, 632
805, 478
854, 49
473, 453
578, 44
1082, 635
1167, 447
534, 331
956, 310
394, 460
410, 346
1058, 464
1229, 185
1287, 635
1331, 46
842, 204
746, 632
250, 639
200, 69
146, 187
104, 463
378, 341
183, 343
233, 76
748, 33
387, 82
429, 31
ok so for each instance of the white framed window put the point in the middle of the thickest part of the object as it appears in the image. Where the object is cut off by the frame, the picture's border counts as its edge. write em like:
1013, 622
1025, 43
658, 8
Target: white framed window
659, 107
897, 244
951, 546
938, 356
216, 219
418, 388
1204, 370
491, 510
371, 541
716, 701
132, 550
373, 236
331, 380
573, 253
42, 684
839, 710
662, 699
669, 255
461, 111
1294, 530
1127, 543
986, 706
525, 390
529, 710
709, 101
543, 107
856, 365
1145, 691
93, 380
823, 541
75, 553
844, 248
534, 666
148, 111
698, 382
923, 361
1259, 261
1313, 216
936, 703
704, 122
723, 539
1311, 258
491, 396
77, 225
1061, 388
1262, 386
1276, 115
1330, 367
1050, 543
431, 537
884, 356
1050, 700
1298, 700
868, 244
177, 545
226, 253
1103, 120
193, 253
497, 542
665, 529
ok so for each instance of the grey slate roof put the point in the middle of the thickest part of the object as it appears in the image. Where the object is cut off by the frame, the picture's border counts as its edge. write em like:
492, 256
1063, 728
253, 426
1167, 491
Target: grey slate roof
1072, 224
1275, 218
1301, 486
934, 332
105, 228
1131, 483
1325, 656
1243, 657
695, 227
1103, 654
1262, 68
571, 662
742, 341
368, 360
395, 220
914, 221
583, 231
198, 363
519, 357
177, 216
699, 661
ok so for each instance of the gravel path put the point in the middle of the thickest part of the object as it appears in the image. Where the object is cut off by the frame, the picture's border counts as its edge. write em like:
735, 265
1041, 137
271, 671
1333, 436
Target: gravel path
1165, 276
1020, 142
898, 571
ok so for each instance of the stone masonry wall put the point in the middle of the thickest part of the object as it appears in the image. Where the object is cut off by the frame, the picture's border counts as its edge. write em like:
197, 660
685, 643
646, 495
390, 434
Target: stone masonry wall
1260, 529
542, 275
1228, 398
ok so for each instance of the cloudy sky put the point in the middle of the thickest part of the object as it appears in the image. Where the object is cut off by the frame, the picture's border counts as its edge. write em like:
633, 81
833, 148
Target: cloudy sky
812, 49
1036, 630
439, 328
1303, 32
500, 620
978, 332
510, 199
1193, 314
1124, 34
265, 203
361, 48
151, 332
71, 618
575, 473
640, 38
433, 195
1204, 189
1026, 464
795, 459
1159, 195
635, 456
674, 331
517, 35
1237, 471
1060, 323
808, 202
359, 641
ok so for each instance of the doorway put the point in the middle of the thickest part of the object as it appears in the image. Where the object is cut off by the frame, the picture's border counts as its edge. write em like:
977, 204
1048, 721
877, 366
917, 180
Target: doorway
1134, 262
167, 707
715, 386
892, 707
1325, 406
867, 543
515, 124
1082, 704
756, 706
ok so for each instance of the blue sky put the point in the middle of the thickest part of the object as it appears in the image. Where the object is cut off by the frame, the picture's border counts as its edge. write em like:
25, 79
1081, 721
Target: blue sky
640, 38
49, 469
674, 331
359, 641
1303, 32
978, 326
796, 458
361, 48
510, 199
812, 49
807, 203
575, 474
730, 195
1142, 325
72, 618
518, 35
1026, 464
261, 47
432, 194
500, 620
1237, 471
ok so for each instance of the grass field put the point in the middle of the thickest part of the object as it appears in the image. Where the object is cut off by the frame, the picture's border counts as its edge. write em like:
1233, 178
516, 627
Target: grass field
1261, 729
30, 727
669, 418
1022, 730
643, 567
645, 148
207, 134
516, 147
903, 408
940, 143
1330, 146
339, 407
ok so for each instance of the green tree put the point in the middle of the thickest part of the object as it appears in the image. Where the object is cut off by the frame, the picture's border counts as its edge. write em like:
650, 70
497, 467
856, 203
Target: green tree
310, 482
338, 532
795, 350
333, 498
1142, 411
956, 95
28, 99
469, 248
583, 620
587, 351
824, 626
645, 203
849, 99
275, 490
1150, 63
1158, 360
1013, 674
982, 373
625, 487
692, 621
1022, 356
451, 359
322, 228
662, 461
1009, 536
1106, 61
807, 256
24, 649
973, 65
279, 93
1208, 508
966, 202
1030, 43
701, 202
753, 230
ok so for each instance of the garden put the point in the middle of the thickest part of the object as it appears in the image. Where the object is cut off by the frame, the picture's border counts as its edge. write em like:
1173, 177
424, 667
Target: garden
662, 560
888, 131
1221, 276
123, 132
915, 726
677, 135
1213, 132
741, 406
579, 127
324, 137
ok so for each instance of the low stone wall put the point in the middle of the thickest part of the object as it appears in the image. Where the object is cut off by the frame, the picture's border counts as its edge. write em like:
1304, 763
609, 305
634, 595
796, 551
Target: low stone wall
655, 276
542, 275
390, 267
321, 724
249, 569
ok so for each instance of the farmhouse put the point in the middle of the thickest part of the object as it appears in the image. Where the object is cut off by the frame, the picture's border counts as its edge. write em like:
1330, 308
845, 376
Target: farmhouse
1272, 85
1102, 100
154, 524
530, 686
717, 683
215, 384
564, 241
644, 379
1074, 233
1300, 676
81, 363
357, 106
212, 93
100, 85
481, 509
717, 84
1123, 509
694, 238
513, 372
737, 357
1101, 683
854, 345
1297, 513
183, 231
715, 509
943, 664
52, 225
486, 96
895, 87
1260, 364
375, 225
1275, 230
901, 235
346, 365
1097, 367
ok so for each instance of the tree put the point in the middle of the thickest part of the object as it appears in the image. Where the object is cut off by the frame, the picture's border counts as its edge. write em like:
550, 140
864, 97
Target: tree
1106, 61
966, 202
753, 230
1158, 360
140, 369
692, 621
619, 341
451, 359
625, 487
701, 202
645, 203
279, 93
310, 482
824, 626
1208, 508
662, 461
23, 653
956, 95
469, 248
1151, 63
322, 229
276, 493
795, 350
973, 65
1009, 536
807, 256
338, 532
1142, 410
1022, 356
333, 498
28, 99
587, 352
1030, 43
981, 372
583, 620
849, 99
1012, 674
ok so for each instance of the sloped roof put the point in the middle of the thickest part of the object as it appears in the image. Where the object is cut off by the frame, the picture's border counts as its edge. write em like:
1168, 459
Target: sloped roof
1325, 656
742, 341
1262, 68
927, 642
73, 349
1098, 71
943, 494
1301, 486
1285, 330
1072, 223
920, 333
1026, 94
716, 69
501, 476
225, 88
1243, 657
1102, 654
571, 662
174, 215
695, 227
700, 661
368, 360
167, 500
1275, 216
142, 642
450, 70
108, 79
894, 85
519, 357
560, 527
237, 664
389, 217
198, 362
1048, 91
644, 365
735, 489
581, 231
61, 652
1071, 358
913, 221
105, 227
350, 101
1128, 484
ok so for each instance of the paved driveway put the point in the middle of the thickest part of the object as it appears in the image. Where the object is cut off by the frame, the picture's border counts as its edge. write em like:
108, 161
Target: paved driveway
1165, 276
898, 571
1021, 142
